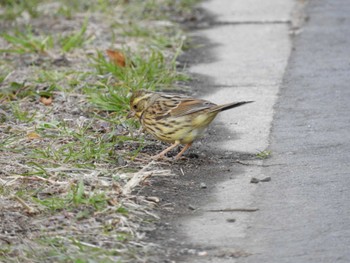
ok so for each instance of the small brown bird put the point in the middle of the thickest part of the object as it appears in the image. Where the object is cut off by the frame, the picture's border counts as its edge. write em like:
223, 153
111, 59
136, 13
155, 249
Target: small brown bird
174, 118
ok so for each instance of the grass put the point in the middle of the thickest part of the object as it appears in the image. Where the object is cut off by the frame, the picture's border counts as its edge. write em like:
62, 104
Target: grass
77, 196
151, 71
70, 158
23, 42
26, 42
21, 115
160, 10
14, 9
79, 252
74, 40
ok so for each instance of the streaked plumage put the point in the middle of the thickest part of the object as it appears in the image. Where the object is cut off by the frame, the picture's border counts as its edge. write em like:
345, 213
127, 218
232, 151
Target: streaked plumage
175, 118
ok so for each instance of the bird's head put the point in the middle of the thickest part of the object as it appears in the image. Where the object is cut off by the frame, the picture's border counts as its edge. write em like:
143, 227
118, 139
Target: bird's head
139, 101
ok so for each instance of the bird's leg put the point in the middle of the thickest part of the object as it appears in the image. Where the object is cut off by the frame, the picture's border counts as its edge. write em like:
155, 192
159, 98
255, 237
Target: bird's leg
177, 157
162, 154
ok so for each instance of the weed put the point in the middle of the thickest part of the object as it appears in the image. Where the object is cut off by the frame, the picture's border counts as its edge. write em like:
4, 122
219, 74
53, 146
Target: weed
74, 40
52, 203
263, 154
13, 9
22, 115
26, 42
74, 198
15, 91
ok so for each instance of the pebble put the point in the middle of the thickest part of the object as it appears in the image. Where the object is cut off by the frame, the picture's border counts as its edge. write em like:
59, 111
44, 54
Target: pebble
191, 207
203, 185
266, 179
202, 253
254, 180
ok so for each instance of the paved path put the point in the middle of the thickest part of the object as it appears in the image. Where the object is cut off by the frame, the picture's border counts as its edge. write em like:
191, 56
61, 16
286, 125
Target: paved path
304, 211
250, 43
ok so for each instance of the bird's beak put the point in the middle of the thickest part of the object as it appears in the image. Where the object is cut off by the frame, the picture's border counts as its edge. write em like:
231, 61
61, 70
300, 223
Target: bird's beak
131, 114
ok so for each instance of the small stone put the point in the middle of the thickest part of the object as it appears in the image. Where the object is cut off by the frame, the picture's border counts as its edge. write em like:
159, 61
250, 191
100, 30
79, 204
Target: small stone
202, 253
191, 207
254, 180
203, 185
121, 161
153, 199
230, 220
266, 179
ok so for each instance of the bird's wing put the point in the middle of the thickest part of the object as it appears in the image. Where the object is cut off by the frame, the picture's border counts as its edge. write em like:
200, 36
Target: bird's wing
189, 106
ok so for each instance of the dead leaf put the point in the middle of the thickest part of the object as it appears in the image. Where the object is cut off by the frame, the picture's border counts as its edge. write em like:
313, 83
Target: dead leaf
116, 57
33, 136
47, 101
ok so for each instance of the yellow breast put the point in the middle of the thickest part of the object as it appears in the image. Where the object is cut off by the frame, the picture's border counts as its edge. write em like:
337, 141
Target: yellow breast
184, 129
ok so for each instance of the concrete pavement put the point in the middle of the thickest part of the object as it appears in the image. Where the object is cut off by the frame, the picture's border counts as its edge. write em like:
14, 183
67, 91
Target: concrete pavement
304, 211
251, 50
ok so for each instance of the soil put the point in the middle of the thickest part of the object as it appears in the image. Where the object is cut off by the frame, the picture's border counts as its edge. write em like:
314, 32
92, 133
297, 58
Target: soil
182, 194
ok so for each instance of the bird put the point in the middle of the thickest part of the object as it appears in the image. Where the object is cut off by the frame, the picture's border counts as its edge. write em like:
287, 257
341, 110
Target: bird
173, 118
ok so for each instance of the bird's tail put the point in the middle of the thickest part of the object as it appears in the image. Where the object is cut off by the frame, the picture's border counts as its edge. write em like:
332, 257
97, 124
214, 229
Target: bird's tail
229, 105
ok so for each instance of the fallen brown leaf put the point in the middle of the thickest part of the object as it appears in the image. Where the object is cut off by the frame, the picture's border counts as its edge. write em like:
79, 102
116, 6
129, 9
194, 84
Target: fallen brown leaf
116, 57
47, 101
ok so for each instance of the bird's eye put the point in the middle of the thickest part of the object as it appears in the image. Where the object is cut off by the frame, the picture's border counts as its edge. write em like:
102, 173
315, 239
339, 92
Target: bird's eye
135, 107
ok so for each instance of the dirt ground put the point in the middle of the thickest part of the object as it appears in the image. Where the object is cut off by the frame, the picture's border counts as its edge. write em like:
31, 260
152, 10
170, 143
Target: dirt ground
180, 196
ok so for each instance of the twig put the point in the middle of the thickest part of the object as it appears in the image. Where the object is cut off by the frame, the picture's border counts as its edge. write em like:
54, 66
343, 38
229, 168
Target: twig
141, 176
2, 182
152, 214
39, 178
137, 178
134, 181
29, 209
86, 244
234, 210
8, 182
